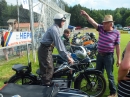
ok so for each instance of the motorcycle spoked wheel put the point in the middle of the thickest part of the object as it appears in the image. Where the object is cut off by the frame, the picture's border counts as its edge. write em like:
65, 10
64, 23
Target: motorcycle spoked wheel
26, 80
93, 84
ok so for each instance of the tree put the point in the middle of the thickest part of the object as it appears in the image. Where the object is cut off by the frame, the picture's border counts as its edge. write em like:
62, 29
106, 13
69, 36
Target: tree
125, 15
117, 18
67, 8
127, 22
24, 15
75, 18
98, 17
120, 15
3, 10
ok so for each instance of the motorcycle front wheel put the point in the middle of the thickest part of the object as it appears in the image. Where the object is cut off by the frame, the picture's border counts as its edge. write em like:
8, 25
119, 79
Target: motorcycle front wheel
93, 84
23, 80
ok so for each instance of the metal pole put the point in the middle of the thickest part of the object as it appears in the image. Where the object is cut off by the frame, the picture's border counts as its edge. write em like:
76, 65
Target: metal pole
32, 28
28, 53
18, 13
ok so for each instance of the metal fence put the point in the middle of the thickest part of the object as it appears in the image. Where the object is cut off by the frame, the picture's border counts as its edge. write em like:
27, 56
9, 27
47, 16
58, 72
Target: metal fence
45, 19
12, 52
48, 9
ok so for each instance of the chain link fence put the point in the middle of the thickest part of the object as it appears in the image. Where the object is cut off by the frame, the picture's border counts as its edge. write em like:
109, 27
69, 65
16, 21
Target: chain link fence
42, 21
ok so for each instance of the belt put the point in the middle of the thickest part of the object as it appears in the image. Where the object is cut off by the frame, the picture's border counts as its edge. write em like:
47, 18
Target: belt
105, 53
49, 46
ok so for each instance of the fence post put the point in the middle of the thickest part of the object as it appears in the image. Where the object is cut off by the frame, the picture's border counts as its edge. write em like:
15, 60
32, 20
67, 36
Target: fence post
32, 28
28, 53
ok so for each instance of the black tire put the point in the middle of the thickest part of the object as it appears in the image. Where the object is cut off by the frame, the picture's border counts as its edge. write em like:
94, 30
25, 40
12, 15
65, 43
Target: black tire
93, 84
23, 80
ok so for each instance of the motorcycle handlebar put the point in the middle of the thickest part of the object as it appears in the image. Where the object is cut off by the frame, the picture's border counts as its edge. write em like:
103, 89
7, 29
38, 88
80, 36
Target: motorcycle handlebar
66, 65
75, 63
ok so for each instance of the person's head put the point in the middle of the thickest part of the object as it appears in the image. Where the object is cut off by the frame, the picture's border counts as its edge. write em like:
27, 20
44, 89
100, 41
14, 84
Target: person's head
59, 19
108, 23
67, 33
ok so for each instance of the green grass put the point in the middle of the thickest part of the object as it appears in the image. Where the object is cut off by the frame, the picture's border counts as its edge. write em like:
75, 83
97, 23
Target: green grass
6, 69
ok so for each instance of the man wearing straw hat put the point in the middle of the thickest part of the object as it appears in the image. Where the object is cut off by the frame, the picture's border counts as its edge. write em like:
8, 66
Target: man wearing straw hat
109, 38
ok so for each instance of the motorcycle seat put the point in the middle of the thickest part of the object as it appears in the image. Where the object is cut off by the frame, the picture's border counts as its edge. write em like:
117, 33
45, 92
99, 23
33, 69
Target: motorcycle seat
19, 67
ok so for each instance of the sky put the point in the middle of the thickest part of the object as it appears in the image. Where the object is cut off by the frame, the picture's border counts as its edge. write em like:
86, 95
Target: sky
92, 4
100, 4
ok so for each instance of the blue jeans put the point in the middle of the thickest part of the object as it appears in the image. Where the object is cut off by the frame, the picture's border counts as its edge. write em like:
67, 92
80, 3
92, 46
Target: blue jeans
107, 62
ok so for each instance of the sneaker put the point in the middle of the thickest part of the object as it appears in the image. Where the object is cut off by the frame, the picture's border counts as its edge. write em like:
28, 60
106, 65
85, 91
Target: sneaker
113, 95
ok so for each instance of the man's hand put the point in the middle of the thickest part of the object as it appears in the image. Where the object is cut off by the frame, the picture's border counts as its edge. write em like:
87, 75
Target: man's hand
89, 19
82, 12
70, 60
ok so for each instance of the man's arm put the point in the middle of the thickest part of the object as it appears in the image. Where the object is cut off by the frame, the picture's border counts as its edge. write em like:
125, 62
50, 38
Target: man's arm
118, 54
58, 42
125, 65
89, 19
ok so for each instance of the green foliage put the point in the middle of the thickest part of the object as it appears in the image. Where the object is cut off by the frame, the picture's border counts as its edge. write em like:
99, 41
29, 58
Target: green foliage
10, 12
3, 10
127, 22
125, 15
117, 18
120, 15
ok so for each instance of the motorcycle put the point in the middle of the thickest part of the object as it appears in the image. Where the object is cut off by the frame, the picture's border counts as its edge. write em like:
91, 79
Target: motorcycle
92, 46
76, 40
88, 41
84, 78
88, 38
81, 53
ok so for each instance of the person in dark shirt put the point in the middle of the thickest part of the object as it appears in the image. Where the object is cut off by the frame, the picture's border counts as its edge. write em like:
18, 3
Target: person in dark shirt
66, 39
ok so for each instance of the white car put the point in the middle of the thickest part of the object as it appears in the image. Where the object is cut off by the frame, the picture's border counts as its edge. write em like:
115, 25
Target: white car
126, 29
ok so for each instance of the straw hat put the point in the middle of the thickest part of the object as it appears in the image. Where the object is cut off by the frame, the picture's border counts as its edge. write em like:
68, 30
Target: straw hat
108, 18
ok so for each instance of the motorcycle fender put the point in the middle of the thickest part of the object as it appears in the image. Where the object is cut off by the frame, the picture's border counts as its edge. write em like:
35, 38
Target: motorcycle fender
88, 71
88, 42
92, 70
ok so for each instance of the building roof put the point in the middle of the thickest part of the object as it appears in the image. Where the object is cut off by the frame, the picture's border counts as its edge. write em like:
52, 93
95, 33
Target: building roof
24, 25
11, 20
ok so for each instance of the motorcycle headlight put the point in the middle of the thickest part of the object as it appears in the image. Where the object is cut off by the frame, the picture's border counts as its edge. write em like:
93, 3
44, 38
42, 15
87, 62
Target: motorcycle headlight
77, 41
80, 54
